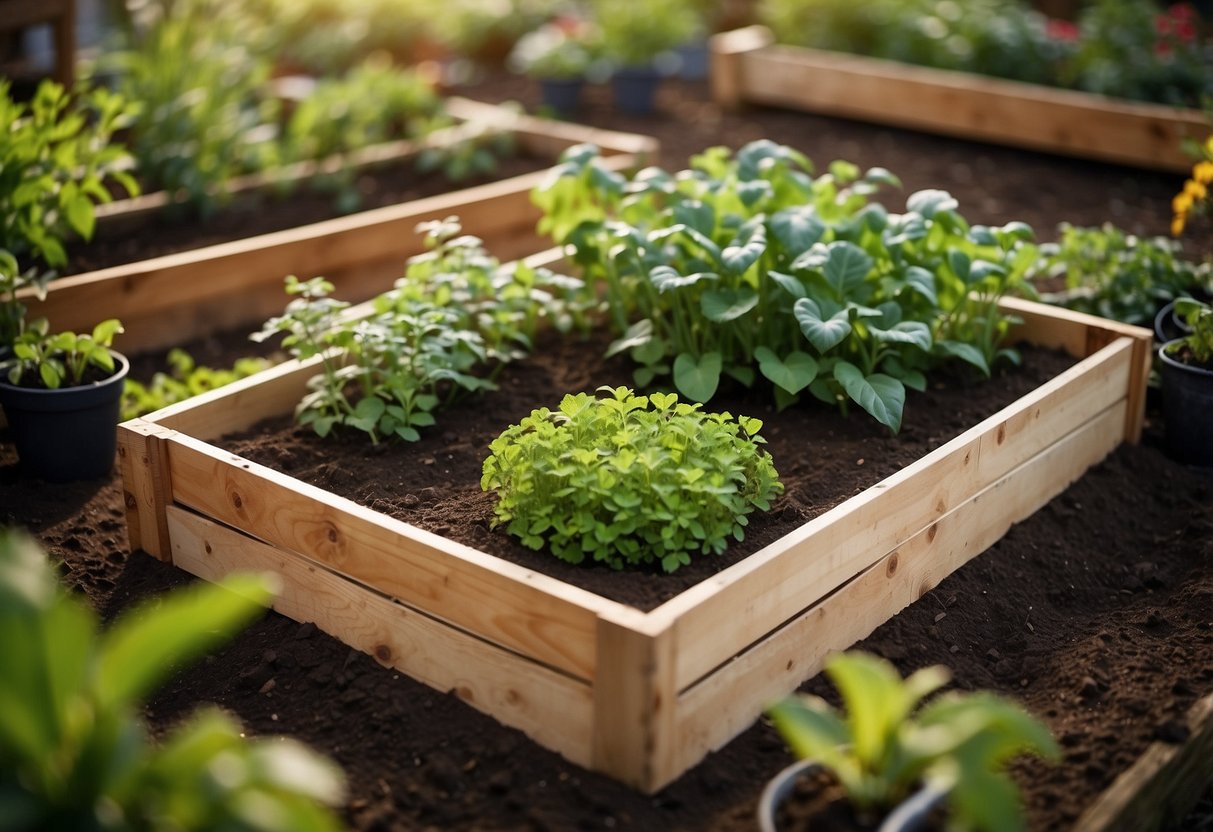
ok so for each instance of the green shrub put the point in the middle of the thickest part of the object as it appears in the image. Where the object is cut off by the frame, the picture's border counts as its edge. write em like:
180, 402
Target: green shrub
56, 160
629, 480
73, 752
1117, 275
887, 743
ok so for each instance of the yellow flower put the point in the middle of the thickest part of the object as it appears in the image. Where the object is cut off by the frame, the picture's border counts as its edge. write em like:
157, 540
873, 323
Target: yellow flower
1181, 204
1177, 225
1196, 190
1209, 144
1203, 172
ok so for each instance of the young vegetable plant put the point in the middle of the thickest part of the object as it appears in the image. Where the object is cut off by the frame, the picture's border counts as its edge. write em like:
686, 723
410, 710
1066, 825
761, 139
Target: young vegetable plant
886, 742
73, 751
56, 160
1197, 346
629, 480
184, 380
450, 325
749, 267
63, 359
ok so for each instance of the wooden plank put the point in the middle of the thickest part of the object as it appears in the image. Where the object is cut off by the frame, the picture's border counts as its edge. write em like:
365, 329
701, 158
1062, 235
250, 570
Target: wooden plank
727, 68
730, 699
971, 106
530, 613
552, 709
738, 605
1163, 786
634, 702
1081, 335
147, 489
18, 14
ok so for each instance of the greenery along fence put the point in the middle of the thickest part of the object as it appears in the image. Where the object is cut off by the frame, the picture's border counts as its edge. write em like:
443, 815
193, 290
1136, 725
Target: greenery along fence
749, 67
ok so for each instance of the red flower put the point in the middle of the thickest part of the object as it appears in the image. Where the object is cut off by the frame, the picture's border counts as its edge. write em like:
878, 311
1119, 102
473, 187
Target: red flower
1062, 30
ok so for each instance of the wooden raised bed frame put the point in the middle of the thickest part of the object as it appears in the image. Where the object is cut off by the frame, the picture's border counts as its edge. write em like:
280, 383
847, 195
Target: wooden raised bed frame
639, 696
749, 67
167, 300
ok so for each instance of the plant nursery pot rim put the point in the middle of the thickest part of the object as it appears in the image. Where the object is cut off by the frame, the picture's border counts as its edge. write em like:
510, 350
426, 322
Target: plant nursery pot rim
905, 817
45, 400
1164, 354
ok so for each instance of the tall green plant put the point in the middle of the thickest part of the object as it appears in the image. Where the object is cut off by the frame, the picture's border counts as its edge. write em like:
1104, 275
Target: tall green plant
750, 267
73, 752
57, 159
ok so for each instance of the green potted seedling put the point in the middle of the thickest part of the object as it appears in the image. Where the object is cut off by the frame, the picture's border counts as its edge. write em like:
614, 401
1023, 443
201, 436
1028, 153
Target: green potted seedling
559, 56
637, 40
896, 758
1187, 385
74, 753
61, 395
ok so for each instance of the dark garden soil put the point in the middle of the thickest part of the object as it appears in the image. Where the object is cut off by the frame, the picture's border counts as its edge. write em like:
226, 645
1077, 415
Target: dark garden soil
1097, 612
263, 212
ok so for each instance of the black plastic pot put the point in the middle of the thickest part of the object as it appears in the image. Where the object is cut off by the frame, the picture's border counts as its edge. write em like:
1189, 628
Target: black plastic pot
1187, 409
66, 434
911, 814
635, 89
1168, 326
561, 94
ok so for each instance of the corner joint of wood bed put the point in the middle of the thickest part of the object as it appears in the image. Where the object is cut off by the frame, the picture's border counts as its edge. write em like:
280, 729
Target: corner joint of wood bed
147, 493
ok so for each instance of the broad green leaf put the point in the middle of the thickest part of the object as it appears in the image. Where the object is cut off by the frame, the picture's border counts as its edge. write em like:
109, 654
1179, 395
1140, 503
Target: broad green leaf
960, 264
665, 278
922, 281
846, 266
367, 413
697, 380
745, 249
793, 373
789, 284
149, 643
80, 216
104, 332
881, 396
697, 215
914, 333
797, 229
638, 334
931, 202
964, 352
825, 334
882, 176
811, 728
875, 701
727, 304
750, 193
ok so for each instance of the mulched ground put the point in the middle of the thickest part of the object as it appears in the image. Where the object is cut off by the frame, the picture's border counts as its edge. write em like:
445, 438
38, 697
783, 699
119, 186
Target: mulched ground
1097, 612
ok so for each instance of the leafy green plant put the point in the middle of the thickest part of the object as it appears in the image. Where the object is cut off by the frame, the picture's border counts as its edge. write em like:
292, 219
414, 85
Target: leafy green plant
41, 359
1117, 275
205, 117
1120, 48
477, 154
184, 380
749, 267
564, 49
634, 34
56, 159
1197, 345
448, 327
73, 752
887, 742
629, 480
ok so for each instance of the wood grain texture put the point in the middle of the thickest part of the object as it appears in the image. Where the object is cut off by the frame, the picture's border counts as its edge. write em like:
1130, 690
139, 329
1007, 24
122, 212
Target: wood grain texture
730, 699
966, 105
146, 489
507, 604
738, 605
550, 708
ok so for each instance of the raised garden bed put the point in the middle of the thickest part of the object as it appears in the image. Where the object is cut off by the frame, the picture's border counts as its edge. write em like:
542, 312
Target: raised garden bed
641, 696
749, 67
165, 300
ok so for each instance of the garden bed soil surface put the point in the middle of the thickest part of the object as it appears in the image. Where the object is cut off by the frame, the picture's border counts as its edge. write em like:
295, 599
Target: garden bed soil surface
1097, 612
252, 214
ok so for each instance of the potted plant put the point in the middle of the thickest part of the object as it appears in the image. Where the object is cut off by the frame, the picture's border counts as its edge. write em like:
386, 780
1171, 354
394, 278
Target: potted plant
559, 55
887, 746
61, 395
638, 39
1187, 385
